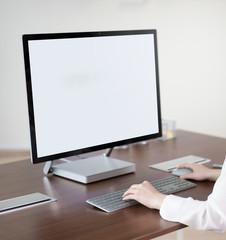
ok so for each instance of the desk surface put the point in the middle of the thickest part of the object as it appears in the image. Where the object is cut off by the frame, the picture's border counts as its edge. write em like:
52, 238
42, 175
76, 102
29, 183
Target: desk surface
70, 217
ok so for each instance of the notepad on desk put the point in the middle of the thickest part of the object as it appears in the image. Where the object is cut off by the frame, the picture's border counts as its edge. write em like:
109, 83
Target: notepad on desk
169, 166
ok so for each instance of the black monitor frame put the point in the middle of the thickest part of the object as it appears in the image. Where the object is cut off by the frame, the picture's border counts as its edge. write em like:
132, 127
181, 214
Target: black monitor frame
30, 37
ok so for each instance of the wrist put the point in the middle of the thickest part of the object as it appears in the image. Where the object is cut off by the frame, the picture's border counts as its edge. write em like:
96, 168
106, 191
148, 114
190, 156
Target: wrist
213, 174
159, 200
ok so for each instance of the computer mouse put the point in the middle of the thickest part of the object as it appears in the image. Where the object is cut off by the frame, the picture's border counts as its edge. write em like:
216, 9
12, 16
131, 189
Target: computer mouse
182, 171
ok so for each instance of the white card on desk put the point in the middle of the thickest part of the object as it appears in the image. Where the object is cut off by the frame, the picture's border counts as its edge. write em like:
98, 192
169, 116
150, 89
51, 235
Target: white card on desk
169, 166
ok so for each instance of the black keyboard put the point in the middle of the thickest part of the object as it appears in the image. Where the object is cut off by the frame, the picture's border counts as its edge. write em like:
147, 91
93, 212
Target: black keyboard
113, 201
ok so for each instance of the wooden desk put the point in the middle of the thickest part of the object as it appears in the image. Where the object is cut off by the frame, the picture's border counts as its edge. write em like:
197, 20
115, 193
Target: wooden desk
70, 217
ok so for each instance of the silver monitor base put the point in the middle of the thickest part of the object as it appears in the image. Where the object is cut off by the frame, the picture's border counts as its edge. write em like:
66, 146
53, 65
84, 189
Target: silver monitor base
92, 169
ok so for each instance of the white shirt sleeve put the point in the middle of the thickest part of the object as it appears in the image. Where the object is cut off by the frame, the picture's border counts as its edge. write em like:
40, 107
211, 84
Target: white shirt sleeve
202, 215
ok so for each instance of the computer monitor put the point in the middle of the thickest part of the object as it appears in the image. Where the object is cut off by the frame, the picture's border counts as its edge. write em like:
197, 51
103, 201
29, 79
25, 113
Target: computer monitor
90, 91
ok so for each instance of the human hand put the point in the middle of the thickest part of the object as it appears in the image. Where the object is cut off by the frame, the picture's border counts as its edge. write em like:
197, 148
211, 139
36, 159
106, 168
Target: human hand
199, 172
145, 194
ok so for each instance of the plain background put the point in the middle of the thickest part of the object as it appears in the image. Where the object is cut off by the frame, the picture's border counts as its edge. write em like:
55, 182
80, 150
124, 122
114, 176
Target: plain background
191, 46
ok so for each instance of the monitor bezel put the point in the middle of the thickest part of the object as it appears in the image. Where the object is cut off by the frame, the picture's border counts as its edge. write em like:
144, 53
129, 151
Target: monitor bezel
44, 36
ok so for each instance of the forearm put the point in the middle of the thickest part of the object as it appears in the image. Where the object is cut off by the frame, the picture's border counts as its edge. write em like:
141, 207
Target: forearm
200, 215
203, 215
213, 174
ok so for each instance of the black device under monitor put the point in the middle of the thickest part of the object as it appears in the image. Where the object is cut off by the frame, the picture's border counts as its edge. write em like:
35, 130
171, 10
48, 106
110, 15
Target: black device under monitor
90, 91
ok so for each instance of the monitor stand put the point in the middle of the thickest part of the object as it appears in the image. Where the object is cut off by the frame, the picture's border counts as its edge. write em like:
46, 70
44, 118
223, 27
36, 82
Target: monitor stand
90, 169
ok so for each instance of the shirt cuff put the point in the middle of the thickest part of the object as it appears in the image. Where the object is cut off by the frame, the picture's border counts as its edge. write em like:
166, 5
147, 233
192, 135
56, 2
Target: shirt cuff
169, 209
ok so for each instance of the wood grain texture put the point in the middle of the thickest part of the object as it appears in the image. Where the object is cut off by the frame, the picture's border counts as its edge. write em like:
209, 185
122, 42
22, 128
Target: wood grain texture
70, 217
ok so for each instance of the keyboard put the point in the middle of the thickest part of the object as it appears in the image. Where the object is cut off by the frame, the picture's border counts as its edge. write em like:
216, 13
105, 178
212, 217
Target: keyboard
113, 201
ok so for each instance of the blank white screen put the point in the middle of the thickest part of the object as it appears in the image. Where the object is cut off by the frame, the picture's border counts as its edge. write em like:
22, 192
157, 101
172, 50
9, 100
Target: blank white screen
92, 91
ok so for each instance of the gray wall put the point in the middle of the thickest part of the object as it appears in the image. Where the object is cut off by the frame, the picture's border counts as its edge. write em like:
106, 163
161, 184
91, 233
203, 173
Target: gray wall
192, 52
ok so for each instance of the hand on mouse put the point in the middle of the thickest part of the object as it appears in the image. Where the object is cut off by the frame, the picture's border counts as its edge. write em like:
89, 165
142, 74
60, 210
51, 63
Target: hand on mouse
200, 172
